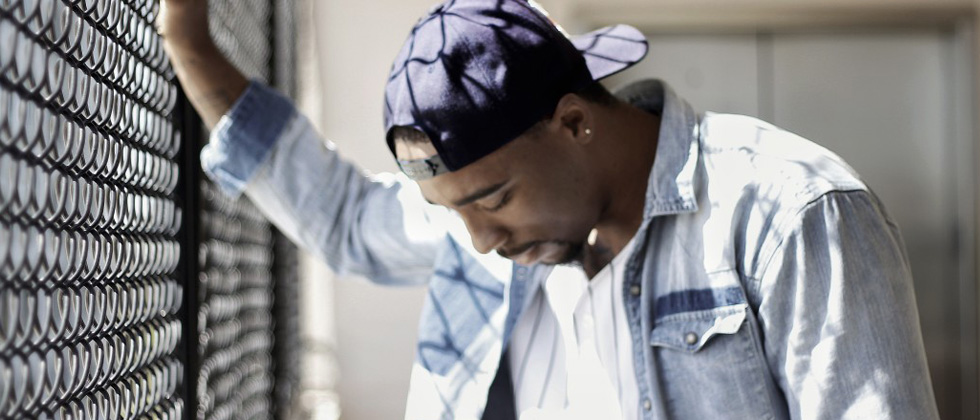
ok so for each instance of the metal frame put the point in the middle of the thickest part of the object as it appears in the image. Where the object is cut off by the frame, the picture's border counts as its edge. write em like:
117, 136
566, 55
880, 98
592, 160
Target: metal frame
964, 82
191, 176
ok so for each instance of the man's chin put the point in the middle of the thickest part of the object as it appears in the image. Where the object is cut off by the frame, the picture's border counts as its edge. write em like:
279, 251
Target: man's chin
548, 253
573, 255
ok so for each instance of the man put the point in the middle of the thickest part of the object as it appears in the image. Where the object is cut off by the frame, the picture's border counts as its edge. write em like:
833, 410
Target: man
657, 263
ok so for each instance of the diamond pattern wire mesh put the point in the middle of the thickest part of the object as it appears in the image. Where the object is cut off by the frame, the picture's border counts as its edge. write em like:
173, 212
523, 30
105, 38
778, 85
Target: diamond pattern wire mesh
235, 312
240, 284
88, 213
93, 316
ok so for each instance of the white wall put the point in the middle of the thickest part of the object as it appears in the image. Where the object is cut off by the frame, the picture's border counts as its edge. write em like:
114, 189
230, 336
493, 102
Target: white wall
375, 327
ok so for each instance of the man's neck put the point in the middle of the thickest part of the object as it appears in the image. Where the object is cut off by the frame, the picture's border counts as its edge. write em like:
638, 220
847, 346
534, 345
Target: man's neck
629, 165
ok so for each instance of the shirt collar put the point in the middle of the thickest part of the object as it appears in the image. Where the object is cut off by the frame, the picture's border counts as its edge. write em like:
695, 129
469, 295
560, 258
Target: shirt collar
670, 187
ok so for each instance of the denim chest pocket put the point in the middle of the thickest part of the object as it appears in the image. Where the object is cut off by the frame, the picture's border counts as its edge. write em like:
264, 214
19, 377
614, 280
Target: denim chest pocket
711, 365
692, 331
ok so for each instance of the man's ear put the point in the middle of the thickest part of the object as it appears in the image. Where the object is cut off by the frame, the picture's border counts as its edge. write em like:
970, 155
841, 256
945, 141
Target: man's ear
574, 118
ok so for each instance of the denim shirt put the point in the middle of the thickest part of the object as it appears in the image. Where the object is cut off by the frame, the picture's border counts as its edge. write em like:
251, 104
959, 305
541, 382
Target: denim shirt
767, 282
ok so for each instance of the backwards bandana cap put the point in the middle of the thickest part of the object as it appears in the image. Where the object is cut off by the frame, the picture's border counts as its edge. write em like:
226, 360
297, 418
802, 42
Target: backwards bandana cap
476, 74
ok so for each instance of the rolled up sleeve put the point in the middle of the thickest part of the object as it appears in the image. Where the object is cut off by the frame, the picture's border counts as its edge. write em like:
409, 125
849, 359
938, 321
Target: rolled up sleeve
376, 226
243, 138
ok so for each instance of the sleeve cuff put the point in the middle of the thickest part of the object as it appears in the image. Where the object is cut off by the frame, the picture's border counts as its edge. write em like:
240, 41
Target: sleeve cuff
244, 136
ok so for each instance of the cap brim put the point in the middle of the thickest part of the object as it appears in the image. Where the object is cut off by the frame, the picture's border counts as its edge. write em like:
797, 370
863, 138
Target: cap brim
612, 49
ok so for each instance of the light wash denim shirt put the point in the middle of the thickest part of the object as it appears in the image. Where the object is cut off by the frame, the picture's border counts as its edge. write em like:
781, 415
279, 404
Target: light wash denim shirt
768, 282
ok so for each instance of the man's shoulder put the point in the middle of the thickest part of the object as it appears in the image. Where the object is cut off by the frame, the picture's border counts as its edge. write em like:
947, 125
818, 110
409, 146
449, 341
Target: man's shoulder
756, 181
745, 153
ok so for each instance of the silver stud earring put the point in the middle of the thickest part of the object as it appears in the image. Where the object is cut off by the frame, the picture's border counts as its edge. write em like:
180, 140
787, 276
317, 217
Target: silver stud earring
588, 131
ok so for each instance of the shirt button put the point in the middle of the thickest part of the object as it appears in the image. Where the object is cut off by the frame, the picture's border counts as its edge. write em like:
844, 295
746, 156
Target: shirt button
635, 290
647, 405
691, 338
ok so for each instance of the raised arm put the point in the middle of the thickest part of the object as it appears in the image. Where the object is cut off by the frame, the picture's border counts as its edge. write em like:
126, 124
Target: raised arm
379, 227
210, 81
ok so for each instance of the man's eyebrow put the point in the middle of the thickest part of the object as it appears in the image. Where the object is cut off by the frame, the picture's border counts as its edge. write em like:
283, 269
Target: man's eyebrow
479, 194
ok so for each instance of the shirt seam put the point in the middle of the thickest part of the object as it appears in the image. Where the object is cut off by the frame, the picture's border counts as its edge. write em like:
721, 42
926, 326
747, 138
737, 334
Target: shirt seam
760, 272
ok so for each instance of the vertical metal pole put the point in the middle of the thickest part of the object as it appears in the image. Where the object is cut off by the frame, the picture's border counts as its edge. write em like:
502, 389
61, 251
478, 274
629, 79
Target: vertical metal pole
962, 85
189, 191
285, 345
276, 260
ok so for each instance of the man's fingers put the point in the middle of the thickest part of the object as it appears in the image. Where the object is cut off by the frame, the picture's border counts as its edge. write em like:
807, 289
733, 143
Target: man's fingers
182, 3
182, 23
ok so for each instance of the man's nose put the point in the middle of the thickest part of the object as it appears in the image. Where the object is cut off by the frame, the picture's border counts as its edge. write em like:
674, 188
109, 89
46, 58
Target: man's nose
487, 236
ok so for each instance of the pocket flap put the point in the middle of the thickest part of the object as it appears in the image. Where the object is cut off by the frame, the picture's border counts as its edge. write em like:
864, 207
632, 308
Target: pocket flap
690, 331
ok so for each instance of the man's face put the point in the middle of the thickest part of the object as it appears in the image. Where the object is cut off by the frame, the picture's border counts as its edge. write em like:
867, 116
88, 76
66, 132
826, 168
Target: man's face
533, 200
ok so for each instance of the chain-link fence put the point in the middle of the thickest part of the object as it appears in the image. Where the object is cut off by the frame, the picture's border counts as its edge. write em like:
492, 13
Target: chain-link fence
129, 287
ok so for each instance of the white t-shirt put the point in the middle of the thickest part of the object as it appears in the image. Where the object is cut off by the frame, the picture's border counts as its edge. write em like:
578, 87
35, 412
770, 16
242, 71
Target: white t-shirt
571, 354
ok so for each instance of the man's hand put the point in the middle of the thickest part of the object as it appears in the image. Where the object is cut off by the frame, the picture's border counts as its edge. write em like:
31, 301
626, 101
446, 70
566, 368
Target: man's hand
211, 83
184, 24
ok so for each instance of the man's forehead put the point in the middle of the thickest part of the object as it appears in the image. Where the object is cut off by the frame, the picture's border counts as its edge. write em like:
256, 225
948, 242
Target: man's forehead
462, 187
457, 188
